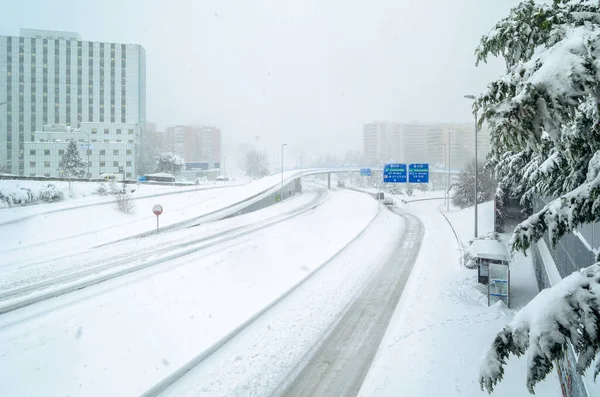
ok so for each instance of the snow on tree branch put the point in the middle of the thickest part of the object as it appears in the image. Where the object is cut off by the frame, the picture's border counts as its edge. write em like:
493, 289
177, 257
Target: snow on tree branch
564, 213
567, 312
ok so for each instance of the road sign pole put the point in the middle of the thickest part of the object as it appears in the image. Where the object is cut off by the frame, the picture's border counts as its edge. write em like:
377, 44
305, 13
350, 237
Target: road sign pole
157, 210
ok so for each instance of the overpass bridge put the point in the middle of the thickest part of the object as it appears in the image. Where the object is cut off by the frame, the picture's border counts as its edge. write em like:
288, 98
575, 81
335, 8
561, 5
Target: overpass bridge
295, 173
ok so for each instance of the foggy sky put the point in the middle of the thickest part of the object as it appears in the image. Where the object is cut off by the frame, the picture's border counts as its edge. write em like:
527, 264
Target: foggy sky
308, 73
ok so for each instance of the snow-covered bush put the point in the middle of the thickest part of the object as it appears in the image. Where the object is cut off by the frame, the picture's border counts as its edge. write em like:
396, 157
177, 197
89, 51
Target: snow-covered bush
125, 202
24, 195
569, 312
101, 190
50, 193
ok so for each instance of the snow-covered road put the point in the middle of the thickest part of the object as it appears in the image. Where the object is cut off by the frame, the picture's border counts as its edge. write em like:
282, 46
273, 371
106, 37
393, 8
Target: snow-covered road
122, 336
23, 283
76, 230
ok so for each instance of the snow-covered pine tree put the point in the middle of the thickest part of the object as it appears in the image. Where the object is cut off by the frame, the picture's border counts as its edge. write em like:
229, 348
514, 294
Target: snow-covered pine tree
257, 164
545, 134
168, 162
567, 312
71, 163
465, 187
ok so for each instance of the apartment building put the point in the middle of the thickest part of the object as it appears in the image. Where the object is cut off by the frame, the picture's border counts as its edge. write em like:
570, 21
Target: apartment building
56, 78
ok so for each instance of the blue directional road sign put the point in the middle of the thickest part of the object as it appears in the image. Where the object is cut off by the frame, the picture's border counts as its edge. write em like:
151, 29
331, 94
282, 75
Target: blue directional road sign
418, 173
365, 172
394, 173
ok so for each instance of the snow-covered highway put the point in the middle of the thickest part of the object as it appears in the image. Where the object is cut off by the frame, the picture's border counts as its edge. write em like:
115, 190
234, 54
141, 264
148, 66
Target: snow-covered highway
26, 283
124, 335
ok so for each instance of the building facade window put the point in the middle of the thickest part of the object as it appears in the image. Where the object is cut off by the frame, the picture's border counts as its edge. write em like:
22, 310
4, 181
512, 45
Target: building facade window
106, 131
116, 152
61, 152
118, 131
32, 164
115, 163
102, 163
102, 152
128, 152
46, 164
46, 152
130, 131
32, 152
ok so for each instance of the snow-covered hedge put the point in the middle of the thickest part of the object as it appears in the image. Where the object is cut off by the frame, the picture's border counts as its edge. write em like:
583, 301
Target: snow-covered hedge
23, 195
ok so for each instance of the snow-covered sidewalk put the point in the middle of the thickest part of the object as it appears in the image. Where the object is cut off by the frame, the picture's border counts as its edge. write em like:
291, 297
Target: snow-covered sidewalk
442, 325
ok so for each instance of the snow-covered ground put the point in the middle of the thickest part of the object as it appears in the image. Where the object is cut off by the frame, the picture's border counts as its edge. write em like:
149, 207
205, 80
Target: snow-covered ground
464, 221
76, 229
83, 195
124, 335
35, 275
442, 325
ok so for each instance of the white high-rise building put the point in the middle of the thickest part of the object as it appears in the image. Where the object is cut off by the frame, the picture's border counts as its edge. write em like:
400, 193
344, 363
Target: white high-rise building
405, 143
50, 77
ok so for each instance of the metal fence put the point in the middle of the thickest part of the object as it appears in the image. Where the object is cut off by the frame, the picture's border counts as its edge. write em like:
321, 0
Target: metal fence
572, 252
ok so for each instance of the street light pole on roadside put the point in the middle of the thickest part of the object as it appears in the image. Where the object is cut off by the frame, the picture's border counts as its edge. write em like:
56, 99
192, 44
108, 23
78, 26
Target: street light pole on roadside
445, 171
88, 153
301, 154
281, 194
5, 103
472, 97
450, 135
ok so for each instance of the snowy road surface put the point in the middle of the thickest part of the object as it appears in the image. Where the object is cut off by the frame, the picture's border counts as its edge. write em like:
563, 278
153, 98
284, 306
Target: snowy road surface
340, 364
122, 336
268, 351
22, 284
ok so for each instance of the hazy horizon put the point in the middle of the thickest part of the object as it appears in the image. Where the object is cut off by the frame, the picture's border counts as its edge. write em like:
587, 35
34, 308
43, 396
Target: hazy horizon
309, 74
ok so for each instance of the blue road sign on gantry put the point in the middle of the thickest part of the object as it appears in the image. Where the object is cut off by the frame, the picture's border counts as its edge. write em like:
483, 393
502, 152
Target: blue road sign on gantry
365, 172
394, 173
418, 173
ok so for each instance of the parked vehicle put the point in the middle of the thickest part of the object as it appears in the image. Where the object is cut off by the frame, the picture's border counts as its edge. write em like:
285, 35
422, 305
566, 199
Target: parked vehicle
160, 177
341, 184
388, 201
112, 177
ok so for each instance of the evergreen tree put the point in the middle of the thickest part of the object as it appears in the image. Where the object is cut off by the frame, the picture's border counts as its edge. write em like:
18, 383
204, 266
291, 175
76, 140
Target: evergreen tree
71, 163
545, 135
257, 164
168, 162
464, 195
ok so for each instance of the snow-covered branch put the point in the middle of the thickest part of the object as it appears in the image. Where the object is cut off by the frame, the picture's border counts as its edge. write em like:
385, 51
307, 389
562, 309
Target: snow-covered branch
567, 312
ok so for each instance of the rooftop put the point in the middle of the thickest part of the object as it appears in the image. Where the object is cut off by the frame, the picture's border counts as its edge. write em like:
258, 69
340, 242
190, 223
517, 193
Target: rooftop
49, 34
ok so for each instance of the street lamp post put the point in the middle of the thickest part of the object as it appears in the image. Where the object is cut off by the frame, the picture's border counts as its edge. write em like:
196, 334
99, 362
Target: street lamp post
450, 136
281, 194
301, 154
4, 103
472, 97
88, 153
445, 171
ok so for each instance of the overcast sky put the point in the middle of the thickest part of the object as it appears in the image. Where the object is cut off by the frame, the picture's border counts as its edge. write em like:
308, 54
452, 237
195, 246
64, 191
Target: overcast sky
308, 73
